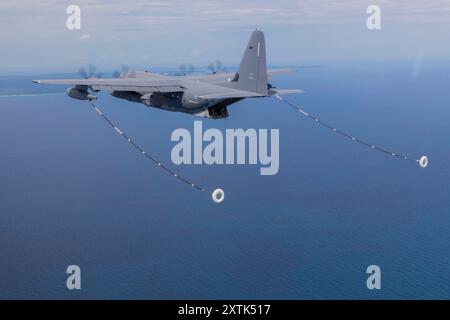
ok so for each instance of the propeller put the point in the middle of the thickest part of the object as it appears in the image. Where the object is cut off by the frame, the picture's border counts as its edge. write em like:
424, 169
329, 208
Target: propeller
185, 69
116, 74
123, 73
89, 73
216, 67
91, 69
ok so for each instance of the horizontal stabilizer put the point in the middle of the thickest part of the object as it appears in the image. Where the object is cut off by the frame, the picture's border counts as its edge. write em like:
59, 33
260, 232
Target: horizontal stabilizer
271, 72
285, 91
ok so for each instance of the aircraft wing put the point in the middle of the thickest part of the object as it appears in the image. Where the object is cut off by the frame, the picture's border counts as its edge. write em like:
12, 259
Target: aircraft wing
122, 84
232, 93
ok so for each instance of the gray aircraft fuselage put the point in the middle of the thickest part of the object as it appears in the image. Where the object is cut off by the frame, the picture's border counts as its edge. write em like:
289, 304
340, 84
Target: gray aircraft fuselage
190, 99
201, 95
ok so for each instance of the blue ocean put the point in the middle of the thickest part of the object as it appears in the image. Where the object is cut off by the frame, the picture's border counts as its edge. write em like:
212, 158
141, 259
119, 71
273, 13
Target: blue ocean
72, 192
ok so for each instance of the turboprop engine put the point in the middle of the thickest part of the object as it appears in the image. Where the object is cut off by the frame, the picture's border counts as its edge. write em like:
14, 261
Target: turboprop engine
80, 93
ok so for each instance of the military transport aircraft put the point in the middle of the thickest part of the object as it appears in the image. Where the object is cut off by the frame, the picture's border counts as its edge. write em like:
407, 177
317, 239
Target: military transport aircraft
200, 95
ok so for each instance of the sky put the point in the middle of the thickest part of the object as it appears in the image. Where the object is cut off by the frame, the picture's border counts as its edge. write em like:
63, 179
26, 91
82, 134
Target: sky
152, 34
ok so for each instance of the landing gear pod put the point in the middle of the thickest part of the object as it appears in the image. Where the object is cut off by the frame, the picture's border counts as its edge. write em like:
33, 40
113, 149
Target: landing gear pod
423, 161
218, 195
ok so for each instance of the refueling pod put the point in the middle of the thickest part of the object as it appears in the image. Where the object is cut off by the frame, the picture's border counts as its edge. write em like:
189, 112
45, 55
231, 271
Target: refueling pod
80, 93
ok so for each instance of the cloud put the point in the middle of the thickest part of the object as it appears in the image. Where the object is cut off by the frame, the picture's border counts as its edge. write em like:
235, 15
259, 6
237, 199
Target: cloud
74, 57
85, 37
135, 14
195, 52
174, 29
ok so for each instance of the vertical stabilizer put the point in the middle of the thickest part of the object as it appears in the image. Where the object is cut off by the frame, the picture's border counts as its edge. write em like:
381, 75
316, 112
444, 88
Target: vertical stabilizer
252, 73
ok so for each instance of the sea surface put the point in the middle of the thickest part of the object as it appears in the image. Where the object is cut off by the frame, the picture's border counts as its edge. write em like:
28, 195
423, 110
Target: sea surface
72, 192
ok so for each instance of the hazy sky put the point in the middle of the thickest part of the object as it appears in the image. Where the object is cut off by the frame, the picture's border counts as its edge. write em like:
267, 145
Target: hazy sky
34, 36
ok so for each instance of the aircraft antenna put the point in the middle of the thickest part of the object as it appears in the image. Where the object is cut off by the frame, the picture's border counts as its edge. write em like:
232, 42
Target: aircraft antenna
422, 161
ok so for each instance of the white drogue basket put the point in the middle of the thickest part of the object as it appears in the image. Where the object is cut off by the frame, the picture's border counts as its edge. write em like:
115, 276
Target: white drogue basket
218, 195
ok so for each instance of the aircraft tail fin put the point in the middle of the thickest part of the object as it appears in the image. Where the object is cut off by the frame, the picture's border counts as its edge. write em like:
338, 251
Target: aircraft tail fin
252, 73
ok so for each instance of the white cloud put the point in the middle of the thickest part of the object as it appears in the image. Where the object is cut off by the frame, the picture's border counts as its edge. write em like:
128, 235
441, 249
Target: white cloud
85, 37
195, 52
174, 13
172, 28
74, 57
